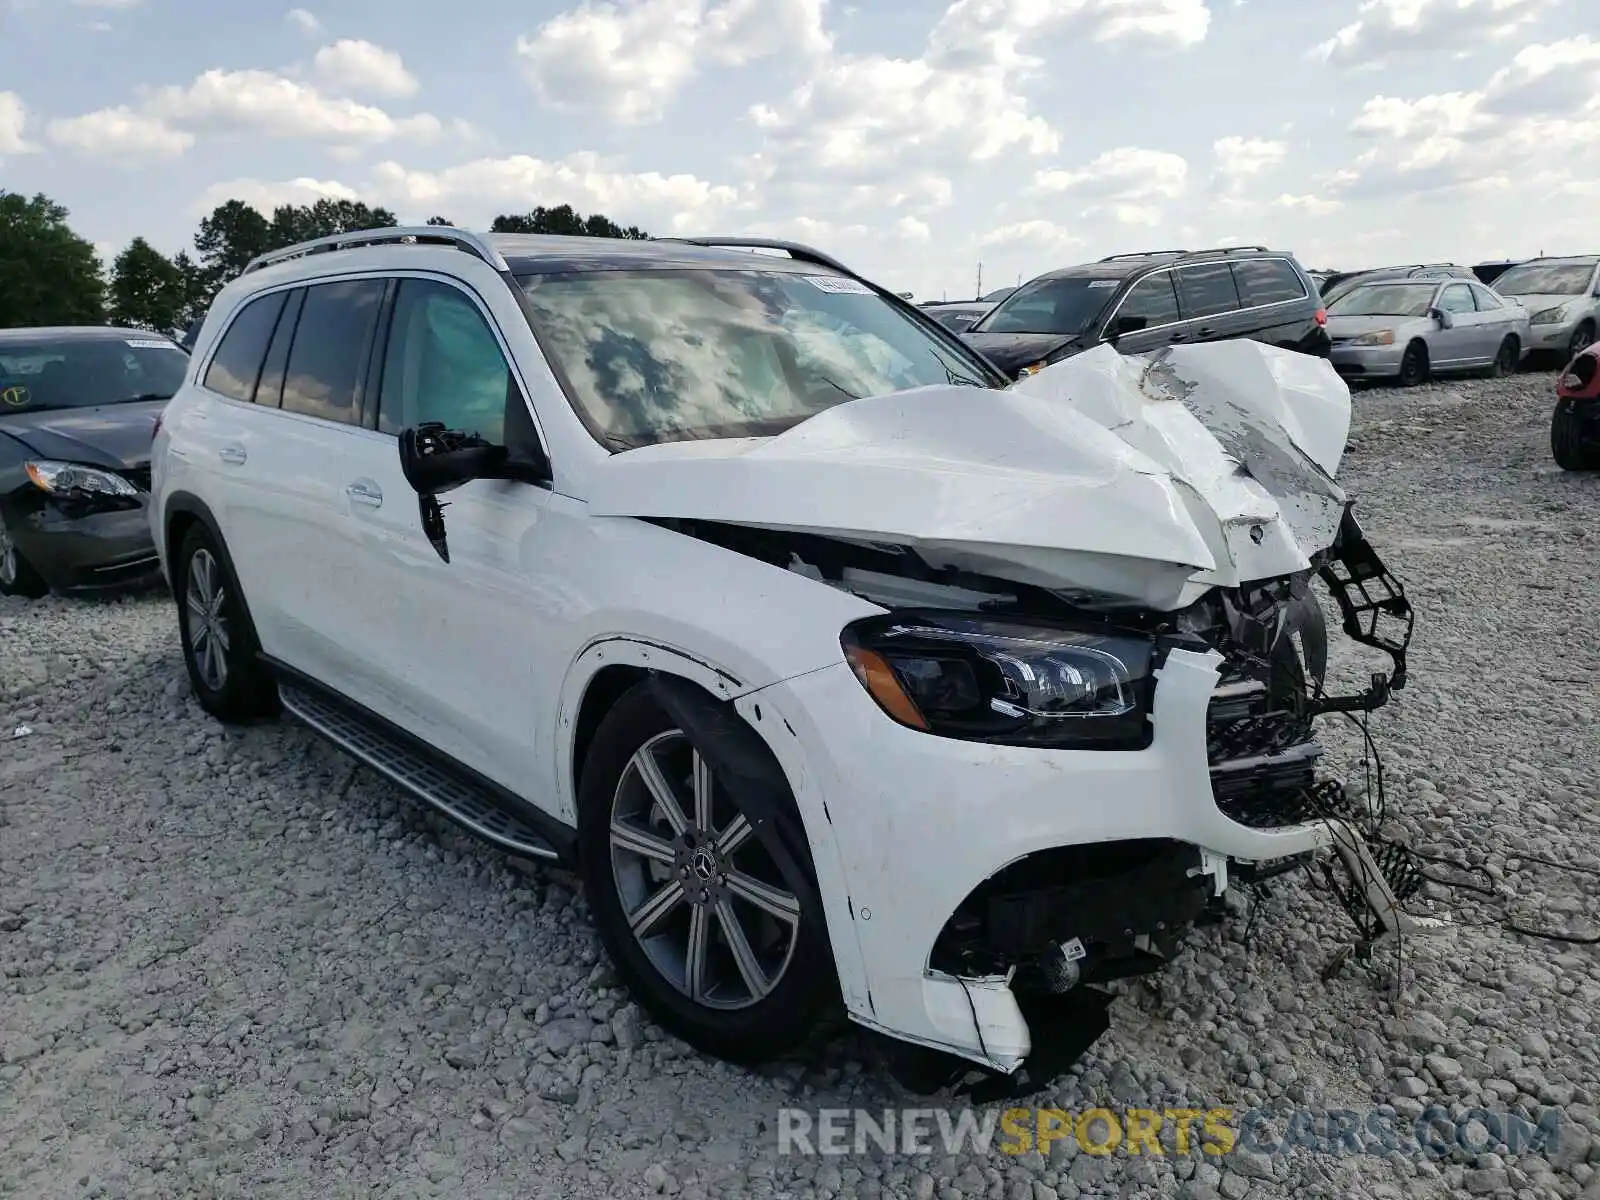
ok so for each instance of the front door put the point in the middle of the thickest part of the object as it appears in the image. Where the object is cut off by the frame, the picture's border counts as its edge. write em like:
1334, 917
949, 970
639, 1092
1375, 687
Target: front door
448, 648
1460, 345
1147, 318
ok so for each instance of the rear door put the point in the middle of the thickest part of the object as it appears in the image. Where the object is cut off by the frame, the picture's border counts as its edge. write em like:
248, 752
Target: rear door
1275, 302
1495, 318
291, 561
1209, 299
1147, 317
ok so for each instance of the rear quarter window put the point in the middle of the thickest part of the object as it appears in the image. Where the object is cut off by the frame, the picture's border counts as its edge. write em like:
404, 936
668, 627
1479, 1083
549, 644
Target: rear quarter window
1266, 281
1207, 290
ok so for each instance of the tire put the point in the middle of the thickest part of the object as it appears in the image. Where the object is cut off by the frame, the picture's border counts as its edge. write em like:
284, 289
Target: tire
1582, 338
1567, 446
17, 575
1507, 358
219, 642
1414, 365
731, 1020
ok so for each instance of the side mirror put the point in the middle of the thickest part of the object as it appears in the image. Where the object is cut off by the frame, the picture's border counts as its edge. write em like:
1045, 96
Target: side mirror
1442, 318
436, 460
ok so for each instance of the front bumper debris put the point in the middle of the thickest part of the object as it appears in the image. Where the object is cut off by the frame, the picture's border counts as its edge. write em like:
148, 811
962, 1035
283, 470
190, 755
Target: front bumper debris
982, 940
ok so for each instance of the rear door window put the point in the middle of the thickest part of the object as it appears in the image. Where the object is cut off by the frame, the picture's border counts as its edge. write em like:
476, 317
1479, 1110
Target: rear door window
236, 365
1487, 300
1262, 281
331, 343
1207, 290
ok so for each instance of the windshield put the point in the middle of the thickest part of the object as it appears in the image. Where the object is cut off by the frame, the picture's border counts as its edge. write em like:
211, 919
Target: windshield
669, 355
83, 372
1063, 306
1385, 300
1545, 279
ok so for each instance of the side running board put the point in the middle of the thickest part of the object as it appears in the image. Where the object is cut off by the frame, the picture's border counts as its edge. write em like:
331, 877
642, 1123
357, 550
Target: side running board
471, 806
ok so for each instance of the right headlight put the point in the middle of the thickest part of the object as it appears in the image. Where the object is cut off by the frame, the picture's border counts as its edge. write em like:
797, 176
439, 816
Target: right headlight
1549, 316
1007, 681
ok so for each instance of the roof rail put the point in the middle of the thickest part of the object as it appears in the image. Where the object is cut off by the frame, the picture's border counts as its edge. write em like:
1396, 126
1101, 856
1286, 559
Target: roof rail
796, 250
1235, 250
394, 234
1141, 254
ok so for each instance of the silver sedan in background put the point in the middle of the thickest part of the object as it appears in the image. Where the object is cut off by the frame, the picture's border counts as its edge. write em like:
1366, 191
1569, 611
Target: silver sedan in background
1409, 330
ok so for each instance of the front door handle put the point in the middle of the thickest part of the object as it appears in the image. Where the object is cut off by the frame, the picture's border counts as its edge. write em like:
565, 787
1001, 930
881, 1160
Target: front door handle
365, 493
234, 456
1206, 331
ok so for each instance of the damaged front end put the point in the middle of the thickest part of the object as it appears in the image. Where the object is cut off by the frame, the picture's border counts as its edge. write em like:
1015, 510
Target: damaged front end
1056, 923
1176, 516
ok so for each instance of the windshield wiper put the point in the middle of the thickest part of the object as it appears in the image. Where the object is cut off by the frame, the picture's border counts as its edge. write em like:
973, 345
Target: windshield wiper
143, 396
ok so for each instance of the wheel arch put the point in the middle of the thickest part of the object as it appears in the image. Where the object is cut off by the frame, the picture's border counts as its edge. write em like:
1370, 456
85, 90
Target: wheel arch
180, 512
608, 668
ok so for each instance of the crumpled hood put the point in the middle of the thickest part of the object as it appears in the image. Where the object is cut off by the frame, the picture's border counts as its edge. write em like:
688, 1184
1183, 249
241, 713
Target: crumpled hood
1114, 478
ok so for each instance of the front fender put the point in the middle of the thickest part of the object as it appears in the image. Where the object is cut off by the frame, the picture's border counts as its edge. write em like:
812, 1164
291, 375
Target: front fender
763, 718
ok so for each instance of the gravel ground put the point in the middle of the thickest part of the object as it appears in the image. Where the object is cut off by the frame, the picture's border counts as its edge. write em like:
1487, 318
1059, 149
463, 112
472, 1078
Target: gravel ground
230, 964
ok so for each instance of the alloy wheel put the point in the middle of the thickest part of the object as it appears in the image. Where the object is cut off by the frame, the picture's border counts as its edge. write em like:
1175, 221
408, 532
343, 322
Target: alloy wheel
700, 894
209, 635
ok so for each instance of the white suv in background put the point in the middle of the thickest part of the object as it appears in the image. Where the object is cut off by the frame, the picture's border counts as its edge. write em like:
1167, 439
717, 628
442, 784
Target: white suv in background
843, 672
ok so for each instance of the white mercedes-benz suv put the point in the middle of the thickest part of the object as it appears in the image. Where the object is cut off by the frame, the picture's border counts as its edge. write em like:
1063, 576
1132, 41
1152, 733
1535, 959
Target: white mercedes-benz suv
846, 674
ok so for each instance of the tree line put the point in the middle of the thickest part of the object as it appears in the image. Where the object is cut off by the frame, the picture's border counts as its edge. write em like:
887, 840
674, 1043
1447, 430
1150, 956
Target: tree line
51, 275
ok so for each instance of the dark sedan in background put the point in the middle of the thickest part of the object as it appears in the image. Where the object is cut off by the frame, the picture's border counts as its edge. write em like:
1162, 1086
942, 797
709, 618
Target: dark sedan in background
78, 411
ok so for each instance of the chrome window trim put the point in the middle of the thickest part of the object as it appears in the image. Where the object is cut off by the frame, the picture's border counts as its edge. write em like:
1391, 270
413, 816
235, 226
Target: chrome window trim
1137, 280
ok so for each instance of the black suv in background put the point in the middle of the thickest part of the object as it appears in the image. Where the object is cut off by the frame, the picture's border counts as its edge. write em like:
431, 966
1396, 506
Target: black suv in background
1142, 302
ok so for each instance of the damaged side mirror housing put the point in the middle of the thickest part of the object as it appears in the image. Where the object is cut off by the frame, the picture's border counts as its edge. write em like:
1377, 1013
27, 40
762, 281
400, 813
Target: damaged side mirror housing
436, 460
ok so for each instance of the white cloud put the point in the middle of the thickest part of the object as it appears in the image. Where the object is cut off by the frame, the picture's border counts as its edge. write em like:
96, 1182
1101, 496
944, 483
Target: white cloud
484, 187
1543, 103
878, 130
352, 65
120, 134
261, 102
629, 61
1315, 206
13, 124
1045, 238
1128, 184
265, 196
306, 22
1386, 29
1242, 157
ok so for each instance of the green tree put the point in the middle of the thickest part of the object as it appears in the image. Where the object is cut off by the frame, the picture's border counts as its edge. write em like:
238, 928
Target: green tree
293, 223
148, 289
564, 219
48, 274
228, 239
439, 221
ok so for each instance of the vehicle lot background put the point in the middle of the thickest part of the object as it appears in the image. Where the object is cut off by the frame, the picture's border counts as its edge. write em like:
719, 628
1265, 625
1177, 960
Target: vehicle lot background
230, 964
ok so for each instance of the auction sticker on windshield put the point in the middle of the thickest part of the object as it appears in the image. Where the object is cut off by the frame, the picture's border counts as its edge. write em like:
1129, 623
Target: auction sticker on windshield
147, 343
1094, 283
838, 285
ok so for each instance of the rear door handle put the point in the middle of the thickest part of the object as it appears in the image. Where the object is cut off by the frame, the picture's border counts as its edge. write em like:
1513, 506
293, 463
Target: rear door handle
234, 456
365, 493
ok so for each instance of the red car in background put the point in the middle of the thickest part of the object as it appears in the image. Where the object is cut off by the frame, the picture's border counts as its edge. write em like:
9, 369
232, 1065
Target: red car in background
1575, 425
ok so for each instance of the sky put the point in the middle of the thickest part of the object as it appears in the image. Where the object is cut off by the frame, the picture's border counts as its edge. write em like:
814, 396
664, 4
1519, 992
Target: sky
917, 140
